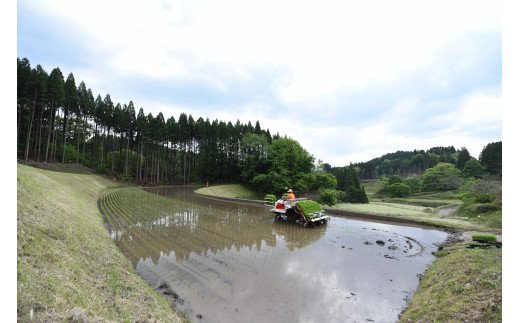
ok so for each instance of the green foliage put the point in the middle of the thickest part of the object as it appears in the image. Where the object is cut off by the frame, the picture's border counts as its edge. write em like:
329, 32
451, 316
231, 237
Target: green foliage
462, 285
355, 195
270, 182
406, 163
324, 180
124, 178
462, 158
482, 202
289, 166
253, 149
395, 186
329, 196
415, 184
442, 177
473, 169
309, 206
491, 157
348, 183
70, 153
304, 182
399, 190
394, 179
482, 186
288, 158
474, 197
381, 187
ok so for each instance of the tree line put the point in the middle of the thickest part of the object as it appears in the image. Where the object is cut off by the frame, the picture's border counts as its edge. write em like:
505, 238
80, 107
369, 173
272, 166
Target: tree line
416, 162
60, 121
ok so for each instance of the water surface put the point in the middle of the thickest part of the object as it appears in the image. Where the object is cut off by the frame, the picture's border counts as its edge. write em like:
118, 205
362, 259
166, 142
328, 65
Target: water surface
226, 262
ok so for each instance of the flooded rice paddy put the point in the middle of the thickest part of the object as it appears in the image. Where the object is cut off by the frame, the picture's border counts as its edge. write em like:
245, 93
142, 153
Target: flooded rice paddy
226, 262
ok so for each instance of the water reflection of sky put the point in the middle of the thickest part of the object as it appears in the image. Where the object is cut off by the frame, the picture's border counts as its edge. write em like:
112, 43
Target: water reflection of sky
232, 263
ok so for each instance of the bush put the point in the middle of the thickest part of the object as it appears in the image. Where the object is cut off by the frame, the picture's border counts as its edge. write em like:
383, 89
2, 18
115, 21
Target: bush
70, 153
304, 182
355, 195
442, 177
473, 197
124, 178
328, 196
394, 179
382, 184
324, 180
270, 182
415, 184
473, 169
399, 189
476, 209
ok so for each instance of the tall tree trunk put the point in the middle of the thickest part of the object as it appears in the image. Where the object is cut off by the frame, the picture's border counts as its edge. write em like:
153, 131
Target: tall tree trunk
158, 173
141, 159
54, 141
84, 141
28, 141
126, 155
40, 135
103, 148
184, 166
120, 159
95, 144
77, 133
65, 124
151, 171
51, 127
138, 161
113, 149
19, 124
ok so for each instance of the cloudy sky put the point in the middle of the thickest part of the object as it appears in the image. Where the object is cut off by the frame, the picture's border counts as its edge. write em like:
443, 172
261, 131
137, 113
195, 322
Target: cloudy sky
350, 80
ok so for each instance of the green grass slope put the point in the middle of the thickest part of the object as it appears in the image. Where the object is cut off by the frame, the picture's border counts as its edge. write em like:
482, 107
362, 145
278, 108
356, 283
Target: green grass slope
462, 285
230, 191
68, 268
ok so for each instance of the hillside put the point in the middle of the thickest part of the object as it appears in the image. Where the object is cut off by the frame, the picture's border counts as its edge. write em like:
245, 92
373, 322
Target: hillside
68, 266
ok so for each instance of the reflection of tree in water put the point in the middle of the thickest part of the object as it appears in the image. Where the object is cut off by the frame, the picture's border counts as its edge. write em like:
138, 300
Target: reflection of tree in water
147, 225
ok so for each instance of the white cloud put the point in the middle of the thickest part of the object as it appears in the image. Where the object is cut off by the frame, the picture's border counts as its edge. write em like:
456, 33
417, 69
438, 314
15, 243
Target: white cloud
323, 50
478, 111
326, 45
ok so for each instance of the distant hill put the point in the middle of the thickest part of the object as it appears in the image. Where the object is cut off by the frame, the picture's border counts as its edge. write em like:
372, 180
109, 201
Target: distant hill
410, 163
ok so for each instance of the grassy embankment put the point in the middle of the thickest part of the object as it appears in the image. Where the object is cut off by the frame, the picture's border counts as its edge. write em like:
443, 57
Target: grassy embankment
230, 191
462, 284
68, 266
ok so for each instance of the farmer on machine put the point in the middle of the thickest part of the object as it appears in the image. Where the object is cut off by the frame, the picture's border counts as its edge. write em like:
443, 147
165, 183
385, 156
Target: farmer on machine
290, 195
